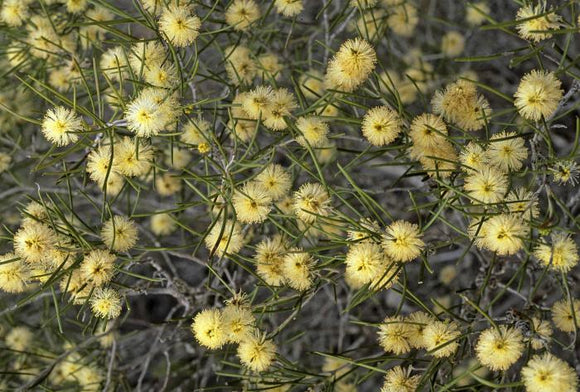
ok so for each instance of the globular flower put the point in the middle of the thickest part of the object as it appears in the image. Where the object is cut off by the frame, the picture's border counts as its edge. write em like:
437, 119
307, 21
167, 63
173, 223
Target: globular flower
452, 44
507, 151
537, 23
106, 303
394, 335
225, 237
547, 373
561, 255
180, 25
538, 95
298, 269
440, 338
313, 131
163, 224
98, 267
402, 241
427, 131
417, 322
14, 273
364, 261
61, 126
238, 322
289, 8
252, 203
311, 201
208, 328
566, 315
14, 12
381, 125
541, 333
504, 234
131, 158
498, 349
242, 13
19, 339
281, 106
523, 202
33, 241
460, 104
275, 181
257, 352
269, 260
351, 65
486, 186
119, 233
143, 117
476, 13
257, 102
403, 18
168, 184
399, 379
473, 157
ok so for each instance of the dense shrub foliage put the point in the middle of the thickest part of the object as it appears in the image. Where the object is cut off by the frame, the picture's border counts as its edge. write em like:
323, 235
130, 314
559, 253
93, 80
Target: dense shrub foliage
289, 195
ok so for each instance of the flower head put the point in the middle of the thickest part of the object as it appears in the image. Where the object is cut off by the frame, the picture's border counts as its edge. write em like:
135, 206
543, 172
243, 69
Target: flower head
208, 328
313, 131
507, 151
504, 234
61, 126
119, 233
547, 373
394, 335
311, 201
106, 303
399, 379
566, 315
440, 338
486, 186
257, 353
498, 349
252, 203
402, 241
561, 255
179, 25
538, 95
242, 13
14, 273
298, 269
225, 237
351, 65
98, 267
381, 125
537, 24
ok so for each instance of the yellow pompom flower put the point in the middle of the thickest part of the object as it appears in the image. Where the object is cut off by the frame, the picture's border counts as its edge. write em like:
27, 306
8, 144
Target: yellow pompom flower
394, 335
168, 184
238, 322
504, 234
19, 339
499, 349
351, 65
275, 181
132, 159
537, 23
427, 131
106, 303
242, 13
270, 64
562, 255
538, 95
460, 104
179, 25
256, 103
239, 64
208, 328
100, 165
507, 151
440, 338
486, 186
402, 241
403, 19
289, 8
269, 260
98, 267
161, 75
114, 63
61, 126
313, 131
452, 44
75, 6
311, 201
298, 269
143, 117
162, 224
547, 373
146, 54
566, 315
119, 233
14, 273
364, 261
381, 125
281, 106
252, 203
476, 13
473, 157
399, 379
14, 12
225, 237
257, 353
541, 333
33, 241
417, 322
